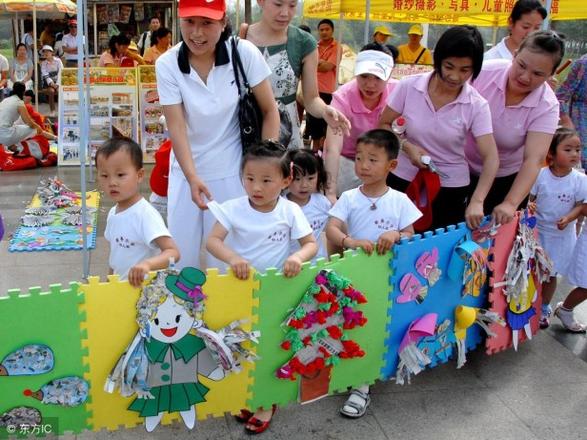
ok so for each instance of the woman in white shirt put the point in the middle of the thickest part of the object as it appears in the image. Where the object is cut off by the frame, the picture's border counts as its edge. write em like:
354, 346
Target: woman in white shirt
50, 68
21, 69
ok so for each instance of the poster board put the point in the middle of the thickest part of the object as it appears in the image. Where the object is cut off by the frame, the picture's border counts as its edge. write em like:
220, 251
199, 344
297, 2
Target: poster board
152, 132
113, 109
401, 70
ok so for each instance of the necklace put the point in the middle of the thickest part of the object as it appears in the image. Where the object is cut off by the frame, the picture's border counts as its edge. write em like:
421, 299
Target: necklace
373, 206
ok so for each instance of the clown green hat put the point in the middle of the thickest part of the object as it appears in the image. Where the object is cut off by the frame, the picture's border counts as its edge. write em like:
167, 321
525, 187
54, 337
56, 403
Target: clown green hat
185, 285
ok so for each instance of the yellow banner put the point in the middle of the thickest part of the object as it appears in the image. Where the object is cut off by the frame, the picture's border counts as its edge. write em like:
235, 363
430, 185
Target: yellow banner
474, 12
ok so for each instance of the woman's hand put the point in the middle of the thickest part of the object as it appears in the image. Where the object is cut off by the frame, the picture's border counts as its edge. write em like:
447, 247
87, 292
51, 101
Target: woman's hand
337, 121
503, 213
415, 153
474, 214
199, 189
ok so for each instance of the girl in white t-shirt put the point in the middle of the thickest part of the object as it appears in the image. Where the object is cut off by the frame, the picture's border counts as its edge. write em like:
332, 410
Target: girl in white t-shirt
307, 189
259, 227
558, 194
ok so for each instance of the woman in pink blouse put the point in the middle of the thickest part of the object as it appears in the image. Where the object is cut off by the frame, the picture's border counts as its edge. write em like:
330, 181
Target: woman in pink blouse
441, 109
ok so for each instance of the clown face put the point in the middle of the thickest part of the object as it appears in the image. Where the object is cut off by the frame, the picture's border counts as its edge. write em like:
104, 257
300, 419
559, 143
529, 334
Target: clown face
171, 322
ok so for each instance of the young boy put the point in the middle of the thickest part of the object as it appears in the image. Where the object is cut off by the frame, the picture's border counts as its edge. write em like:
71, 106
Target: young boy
139, 240
375, 217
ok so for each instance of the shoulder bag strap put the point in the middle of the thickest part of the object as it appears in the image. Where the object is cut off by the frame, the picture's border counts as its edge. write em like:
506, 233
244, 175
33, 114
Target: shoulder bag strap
238, 67
420, 56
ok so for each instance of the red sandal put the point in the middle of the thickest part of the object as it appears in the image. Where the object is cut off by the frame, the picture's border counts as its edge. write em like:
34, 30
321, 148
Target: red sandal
244, 416
256, 426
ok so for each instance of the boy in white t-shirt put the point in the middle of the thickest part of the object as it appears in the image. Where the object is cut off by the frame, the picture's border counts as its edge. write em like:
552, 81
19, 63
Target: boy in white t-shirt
375, 216
139, 240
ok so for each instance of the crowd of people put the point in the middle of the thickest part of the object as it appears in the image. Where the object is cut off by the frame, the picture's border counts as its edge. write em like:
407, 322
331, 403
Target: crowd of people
479, 135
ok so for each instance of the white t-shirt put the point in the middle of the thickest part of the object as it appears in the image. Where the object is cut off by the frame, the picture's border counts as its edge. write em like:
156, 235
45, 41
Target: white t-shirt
316, 212
211, 108
28, 41
262, 238
556, 197
71, 42
4, 65
395, 211
499, 51
131, 234
9, 111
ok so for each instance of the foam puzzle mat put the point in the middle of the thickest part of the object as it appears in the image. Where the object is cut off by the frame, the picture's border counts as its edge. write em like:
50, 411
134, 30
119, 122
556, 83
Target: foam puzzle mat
57, 236
58, 347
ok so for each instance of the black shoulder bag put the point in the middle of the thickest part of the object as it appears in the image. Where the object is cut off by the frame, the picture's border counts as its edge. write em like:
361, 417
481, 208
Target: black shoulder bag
249, 113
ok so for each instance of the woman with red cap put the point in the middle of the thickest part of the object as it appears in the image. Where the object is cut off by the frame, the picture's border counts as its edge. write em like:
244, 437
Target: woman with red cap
197, 90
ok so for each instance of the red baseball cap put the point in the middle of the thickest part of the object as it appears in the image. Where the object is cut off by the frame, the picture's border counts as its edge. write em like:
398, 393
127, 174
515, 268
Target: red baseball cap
214, 9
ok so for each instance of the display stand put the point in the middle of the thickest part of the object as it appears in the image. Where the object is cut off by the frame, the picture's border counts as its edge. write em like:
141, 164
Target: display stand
152, 132
113, 109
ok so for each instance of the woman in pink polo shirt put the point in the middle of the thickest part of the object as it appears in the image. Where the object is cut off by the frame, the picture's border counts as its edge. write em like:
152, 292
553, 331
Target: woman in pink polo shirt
441, 108
525, 114
362, 101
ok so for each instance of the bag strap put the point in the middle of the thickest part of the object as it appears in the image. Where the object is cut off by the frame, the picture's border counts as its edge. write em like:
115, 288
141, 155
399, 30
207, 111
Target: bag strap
238, 67
420, 56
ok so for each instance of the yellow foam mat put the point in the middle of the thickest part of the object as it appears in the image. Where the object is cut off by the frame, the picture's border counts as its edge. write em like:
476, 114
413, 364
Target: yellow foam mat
110, 326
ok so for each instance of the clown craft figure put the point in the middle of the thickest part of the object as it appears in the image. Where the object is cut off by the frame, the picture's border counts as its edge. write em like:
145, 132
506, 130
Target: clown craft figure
164, 360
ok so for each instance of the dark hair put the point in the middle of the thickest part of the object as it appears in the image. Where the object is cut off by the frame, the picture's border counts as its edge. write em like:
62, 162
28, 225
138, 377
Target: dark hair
20, 45
18, 89
526, 6
560, 135
383, 139
113, 145
547, 42
305, 162
154, 17
325, 21
385, 48
29, 93
120, 39
268, 150
162, 32
460, 42
305, 28
28, 26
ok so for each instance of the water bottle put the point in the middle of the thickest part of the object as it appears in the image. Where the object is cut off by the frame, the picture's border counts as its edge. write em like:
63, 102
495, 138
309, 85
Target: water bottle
398, 126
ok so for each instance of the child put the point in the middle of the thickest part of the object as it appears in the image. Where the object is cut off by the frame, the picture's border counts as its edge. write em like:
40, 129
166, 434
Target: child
139, 240
375, 216
557, 191
577, 276
307, 190
261, 225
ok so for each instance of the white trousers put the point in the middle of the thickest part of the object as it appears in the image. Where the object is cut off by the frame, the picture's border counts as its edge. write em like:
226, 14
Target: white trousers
189, 225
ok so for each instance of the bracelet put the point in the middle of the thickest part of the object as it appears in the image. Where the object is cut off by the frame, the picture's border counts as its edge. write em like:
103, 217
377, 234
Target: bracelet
343, 239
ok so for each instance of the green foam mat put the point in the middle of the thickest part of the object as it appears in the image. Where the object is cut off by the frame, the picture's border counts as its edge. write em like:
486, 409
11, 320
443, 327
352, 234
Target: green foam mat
50, 318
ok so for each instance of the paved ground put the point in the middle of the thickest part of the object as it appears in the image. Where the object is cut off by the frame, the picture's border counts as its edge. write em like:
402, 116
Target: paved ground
538, 393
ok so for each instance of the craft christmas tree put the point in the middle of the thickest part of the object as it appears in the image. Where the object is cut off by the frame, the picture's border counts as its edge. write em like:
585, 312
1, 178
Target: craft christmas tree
317, 329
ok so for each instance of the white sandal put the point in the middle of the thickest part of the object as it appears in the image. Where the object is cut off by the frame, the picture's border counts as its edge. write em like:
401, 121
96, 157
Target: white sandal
360, 403
567, 319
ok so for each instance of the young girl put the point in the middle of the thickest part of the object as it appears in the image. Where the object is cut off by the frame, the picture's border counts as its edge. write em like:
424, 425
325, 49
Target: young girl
261, 225
558, 192
577, 276
307, 189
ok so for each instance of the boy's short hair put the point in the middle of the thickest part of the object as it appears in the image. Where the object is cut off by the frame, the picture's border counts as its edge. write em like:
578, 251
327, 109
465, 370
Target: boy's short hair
383, 139
113, 145
325, 21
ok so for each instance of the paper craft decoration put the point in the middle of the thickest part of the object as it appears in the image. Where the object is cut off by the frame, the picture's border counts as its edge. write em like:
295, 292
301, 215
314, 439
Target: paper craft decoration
162, 363
468, 265
411, 289
28, 360
53, 220
316, 329
65, 391
22, 415
412, 360
427, 266
316, 332
465, 317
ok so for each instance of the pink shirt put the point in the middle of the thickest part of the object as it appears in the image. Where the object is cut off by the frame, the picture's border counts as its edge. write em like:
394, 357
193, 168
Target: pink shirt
347, 99
538, 112
443, 132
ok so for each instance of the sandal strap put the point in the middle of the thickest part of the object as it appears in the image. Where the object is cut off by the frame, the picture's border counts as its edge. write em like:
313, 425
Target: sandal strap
359, 393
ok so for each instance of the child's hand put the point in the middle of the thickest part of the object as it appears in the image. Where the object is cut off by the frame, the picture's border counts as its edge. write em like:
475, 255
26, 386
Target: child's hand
563, 222
292, 266
137, 273
366, 245
240, 267
386, 241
